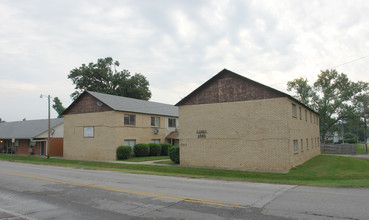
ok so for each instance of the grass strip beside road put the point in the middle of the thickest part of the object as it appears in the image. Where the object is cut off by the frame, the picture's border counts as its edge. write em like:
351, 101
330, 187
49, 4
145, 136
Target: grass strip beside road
323, 170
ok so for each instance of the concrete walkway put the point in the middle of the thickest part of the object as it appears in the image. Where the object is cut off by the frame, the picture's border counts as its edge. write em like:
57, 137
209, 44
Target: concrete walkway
359, 156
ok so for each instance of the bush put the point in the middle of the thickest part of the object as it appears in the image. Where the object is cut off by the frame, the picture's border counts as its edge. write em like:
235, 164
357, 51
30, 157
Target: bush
174, 154
141, 150
164, 149
155, 149
123, 152
351, 140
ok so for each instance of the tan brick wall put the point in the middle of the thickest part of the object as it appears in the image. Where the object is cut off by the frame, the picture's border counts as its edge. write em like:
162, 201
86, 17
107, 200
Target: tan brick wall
302, 128
247, 135
109, 133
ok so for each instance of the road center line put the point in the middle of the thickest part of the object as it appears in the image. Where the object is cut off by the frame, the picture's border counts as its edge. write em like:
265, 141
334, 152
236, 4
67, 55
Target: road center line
133, 192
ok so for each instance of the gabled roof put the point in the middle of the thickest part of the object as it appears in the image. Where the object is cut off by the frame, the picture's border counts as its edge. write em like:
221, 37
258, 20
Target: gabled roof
125, 104
269, 92
27, 129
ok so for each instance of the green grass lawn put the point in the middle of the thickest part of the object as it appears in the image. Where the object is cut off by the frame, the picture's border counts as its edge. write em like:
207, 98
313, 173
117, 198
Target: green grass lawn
142, 159
323, 170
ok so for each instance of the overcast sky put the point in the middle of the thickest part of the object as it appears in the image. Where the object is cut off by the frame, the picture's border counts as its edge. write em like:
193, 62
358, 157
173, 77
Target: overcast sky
177, 45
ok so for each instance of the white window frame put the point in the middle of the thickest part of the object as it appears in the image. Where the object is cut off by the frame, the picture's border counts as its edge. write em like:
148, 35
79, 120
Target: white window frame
170, 125
295, 146
155, 141
88, 132
307, 142
16, 143
294, 110
155, 121
130, 142
130, 122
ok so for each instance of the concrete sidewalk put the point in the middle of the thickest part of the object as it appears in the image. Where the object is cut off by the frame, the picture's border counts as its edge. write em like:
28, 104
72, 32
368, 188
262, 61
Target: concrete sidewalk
359, 156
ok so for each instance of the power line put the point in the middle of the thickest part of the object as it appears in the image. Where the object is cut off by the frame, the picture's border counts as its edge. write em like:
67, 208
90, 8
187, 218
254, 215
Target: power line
360, 58
351, 61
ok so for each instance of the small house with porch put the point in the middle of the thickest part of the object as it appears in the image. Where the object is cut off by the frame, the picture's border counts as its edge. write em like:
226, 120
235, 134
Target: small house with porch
29, 137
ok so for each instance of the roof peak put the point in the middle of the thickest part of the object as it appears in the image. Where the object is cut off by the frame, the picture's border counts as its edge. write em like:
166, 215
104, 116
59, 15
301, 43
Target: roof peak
241, 91
126, 104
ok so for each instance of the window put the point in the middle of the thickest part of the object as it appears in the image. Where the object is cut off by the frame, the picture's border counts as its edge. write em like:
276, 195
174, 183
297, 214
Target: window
312, 143
130, 142
302, 145
172, 122
307, 142
155, 141
300, 113
314, 119
88, 132
130, 120
294, 110
16, 143
295, 146
155, 121
306, 115
311, 119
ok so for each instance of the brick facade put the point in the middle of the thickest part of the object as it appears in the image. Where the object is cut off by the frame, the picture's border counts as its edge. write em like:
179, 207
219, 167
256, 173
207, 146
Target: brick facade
86, 103
56, 147
257, 133
250, 135
109, 133
229, 87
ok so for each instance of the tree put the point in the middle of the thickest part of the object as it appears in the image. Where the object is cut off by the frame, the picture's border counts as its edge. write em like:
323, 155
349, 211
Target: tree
104, 77
304, 92
58, 107
332, 96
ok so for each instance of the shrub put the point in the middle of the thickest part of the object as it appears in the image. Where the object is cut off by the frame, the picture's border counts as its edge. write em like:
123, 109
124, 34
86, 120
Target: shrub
174, 154
123, 152
164, 149
141, 150
351, 140
155, 149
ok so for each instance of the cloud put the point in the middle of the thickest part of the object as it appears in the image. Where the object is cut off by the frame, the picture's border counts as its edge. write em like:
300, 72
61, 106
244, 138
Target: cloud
177, 44
7, 85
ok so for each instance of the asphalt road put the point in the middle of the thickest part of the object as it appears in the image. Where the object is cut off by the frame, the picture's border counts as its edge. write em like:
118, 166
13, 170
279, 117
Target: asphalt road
46, 192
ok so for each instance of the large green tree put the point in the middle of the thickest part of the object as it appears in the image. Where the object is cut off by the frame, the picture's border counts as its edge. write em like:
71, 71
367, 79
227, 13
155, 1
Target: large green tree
104, 77
333, 96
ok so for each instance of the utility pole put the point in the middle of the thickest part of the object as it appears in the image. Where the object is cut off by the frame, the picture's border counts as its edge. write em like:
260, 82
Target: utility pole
48, 130
48, 126
365, 125
365, 136
343, 131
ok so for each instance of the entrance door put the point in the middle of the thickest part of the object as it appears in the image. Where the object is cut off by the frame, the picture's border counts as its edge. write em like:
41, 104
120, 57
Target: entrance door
42, 148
